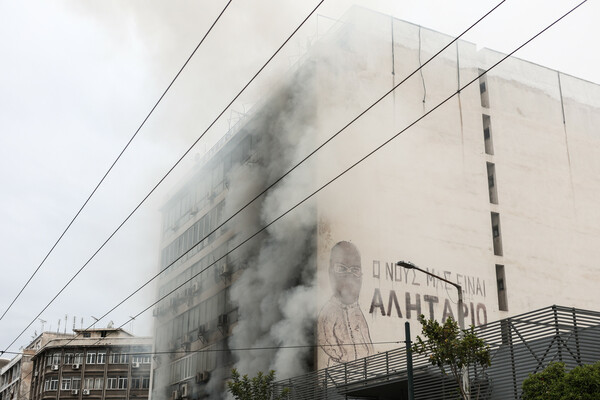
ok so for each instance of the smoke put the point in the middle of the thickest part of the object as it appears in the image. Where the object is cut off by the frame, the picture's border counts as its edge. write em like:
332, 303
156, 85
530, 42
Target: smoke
274, 293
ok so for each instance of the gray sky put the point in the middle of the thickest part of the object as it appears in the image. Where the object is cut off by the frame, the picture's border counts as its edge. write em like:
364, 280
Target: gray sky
77, 78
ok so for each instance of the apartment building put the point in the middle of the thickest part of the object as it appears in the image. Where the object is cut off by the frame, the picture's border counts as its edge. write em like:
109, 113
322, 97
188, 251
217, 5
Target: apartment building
92, 364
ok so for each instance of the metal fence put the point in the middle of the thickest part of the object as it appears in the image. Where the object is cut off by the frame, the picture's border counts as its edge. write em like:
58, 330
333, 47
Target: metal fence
519, 345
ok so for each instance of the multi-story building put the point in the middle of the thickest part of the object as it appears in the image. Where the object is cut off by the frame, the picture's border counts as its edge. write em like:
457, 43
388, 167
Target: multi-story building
104, 363
16, 375
494, 188
10, 379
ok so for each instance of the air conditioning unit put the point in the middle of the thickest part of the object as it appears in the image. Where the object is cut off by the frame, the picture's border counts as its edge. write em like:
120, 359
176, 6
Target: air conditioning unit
225, 269
75, 391
184, 390
202, 377
195, 287
35, 373
86, 392
194, 210
135, 365
54, 367
76, 366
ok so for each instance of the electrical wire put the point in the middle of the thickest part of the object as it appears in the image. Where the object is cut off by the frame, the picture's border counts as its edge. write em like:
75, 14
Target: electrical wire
270, 186
291, 169
168, 172
205, 350
361, 160
356, 163
114, 163
277, 180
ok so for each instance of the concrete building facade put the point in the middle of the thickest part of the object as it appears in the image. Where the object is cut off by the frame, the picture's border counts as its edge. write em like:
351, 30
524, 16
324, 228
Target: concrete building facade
494, 189
16, 375
93, 364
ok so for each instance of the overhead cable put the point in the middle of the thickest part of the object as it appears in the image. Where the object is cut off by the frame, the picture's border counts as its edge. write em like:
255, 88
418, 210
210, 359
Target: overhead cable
113, 164
166, 175
355, 163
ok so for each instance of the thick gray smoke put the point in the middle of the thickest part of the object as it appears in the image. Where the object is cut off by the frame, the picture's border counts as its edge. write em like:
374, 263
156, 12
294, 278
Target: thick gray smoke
274, 294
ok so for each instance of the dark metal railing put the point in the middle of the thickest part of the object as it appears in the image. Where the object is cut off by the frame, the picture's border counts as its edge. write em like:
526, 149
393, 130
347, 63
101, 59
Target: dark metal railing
519, 345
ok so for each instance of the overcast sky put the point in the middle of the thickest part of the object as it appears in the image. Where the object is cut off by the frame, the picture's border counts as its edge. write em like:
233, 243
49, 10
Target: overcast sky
77, 78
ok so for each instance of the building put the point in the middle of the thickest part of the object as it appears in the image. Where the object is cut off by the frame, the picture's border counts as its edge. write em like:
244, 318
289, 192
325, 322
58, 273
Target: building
10, 379
495, 190
107, 363
16, 375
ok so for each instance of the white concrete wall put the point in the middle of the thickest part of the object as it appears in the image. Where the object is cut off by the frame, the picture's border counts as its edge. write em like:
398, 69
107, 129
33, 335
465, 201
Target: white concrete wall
424, 196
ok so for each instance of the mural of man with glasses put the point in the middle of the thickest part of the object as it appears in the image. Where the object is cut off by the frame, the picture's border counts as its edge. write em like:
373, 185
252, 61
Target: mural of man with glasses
342, 328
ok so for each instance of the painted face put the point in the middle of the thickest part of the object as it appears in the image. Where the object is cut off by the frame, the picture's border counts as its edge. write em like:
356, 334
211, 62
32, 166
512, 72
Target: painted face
345, 272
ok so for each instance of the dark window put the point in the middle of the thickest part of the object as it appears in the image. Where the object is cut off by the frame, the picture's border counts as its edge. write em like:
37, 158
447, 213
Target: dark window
487, 134
497, 236
492, 189
501, 284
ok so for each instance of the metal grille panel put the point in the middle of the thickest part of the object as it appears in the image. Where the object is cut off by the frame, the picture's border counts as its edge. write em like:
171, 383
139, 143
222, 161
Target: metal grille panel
519, 345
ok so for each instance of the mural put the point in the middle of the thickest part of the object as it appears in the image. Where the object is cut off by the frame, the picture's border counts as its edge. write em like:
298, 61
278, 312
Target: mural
369, 302
343, 332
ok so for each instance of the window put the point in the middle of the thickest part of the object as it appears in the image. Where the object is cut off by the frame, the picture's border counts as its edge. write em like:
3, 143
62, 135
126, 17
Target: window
98, 383
122, 382
87, 334
88, 383
76, 383
78, 359
146, 382
119, 358
501, 284
492, 189
53, 359
53, 383
46, 385
136, 382
487, 135
496, 234
111, 382
68, 358
65, 384
101, 358
142, 359
90, 358
483, 90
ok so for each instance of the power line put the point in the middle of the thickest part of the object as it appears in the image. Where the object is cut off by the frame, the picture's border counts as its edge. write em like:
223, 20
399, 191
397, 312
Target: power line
347, 170
288, 172
169, 171
357, 162
296, 166
277, 180
208, 350
113, 163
